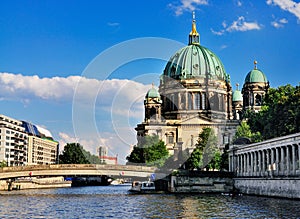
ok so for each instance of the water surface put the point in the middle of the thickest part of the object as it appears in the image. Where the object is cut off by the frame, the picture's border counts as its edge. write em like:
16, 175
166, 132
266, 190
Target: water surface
116, 202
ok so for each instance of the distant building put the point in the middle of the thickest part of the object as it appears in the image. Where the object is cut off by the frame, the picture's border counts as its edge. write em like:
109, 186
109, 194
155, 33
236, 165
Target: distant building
103, 155
22, 143
42, 149
13, 142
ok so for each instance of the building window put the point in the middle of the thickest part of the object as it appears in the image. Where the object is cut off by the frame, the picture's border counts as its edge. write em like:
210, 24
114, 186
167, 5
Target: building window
225, 139
258, 100
190, 101
203, 101
251, 99
197, 101
170, 138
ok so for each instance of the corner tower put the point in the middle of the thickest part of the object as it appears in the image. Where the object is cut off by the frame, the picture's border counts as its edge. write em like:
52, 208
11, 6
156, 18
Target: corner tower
255, 87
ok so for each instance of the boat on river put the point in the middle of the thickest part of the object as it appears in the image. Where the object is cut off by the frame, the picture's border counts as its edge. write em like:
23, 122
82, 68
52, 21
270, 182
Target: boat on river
142, 187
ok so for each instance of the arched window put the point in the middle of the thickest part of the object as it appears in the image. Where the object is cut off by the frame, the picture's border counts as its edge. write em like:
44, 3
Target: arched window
258, 100
153, 113
170, 138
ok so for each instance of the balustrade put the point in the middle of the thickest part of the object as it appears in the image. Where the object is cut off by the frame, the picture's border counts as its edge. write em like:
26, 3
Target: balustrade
278, 157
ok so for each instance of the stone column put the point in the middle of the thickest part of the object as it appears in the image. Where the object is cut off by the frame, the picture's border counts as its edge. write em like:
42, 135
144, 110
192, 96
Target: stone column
245, 163
282, 163
263, 162
248, 166
259, 163
272, 161
238, 165
268, 162
293, 160
255, 163
287, 160
277, 161
251, 164
298, 157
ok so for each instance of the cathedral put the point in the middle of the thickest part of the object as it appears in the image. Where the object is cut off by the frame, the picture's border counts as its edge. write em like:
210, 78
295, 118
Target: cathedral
194, 93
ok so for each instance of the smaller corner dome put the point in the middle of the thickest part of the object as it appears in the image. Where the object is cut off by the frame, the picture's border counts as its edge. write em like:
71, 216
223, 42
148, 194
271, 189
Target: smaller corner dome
152, 93
255, 76
237, 96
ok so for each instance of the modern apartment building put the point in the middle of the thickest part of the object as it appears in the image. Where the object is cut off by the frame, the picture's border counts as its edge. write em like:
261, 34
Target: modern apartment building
23, 143
42, 149
13, 141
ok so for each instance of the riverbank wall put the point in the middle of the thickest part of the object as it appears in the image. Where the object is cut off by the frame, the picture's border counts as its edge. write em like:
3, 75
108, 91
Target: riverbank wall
34, 183
201, 182
273, 187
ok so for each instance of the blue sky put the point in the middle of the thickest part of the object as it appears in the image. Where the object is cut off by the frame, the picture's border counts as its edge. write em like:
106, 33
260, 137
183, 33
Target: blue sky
48, 47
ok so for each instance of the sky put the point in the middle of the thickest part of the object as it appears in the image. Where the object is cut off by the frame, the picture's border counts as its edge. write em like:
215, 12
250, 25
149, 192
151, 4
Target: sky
81, 69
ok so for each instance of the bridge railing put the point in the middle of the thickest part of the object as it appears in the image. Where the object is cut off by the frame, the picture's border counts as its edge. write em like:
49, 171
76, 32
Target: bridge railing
77, 166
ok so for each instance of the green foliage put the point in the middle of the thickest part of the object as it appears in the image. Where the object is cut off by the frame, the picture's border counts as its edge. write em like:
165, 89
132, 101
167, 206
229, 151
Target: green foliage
151, 151
74, 154
3, 164
280, 114
92, 159
244, 130
206, 154
137, 155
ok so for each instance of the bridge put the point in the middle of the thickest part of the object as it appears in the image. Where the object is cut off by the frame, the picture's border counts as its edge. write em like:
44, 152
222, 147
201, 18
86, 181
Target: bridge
79, 170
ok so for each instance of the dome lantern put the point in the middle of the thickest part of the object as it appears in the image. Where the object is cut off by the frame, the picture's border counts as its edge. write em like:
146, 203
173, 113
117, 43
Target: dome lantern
194, 37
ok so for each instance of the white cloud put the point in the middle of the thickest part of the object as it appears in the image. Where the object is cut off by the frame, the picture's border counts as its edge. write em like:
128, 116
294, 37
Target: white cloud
239, 3
119, 103
239, 25
23, 88
187, 5
279, 23
287, 5
219, 33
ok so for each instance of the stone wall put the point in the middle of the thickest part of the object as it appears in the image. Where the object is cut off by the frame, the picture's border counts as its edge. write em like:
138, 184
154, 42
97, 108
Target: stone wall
276, 187
34, 183
201, 182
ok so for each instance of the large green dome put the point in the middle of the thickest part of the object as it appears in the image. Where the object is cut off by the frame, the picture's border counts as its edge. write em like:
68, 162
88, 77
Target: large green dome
256, 76
195, 61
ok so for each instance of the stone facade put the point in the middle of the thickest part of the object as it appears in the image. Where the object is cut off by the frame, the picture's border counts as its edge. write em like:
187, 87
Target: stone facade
194, 93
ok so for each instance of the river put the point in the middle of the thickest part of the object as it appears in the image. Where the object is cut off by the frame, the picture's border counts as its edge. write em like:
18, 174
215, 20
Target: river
115, 202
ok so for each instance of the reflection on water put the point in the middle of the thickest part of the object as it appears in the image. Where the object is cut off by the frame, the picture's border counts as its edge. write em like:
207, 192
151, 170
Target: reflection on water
115, 202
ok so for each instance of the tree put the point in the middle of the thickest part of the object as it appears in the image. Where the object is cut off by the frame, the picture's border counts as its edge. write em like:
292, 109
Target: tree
137, 155
244, 130
151, 151
206, 154
3, 164
280, 114
73, 154
93, 159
